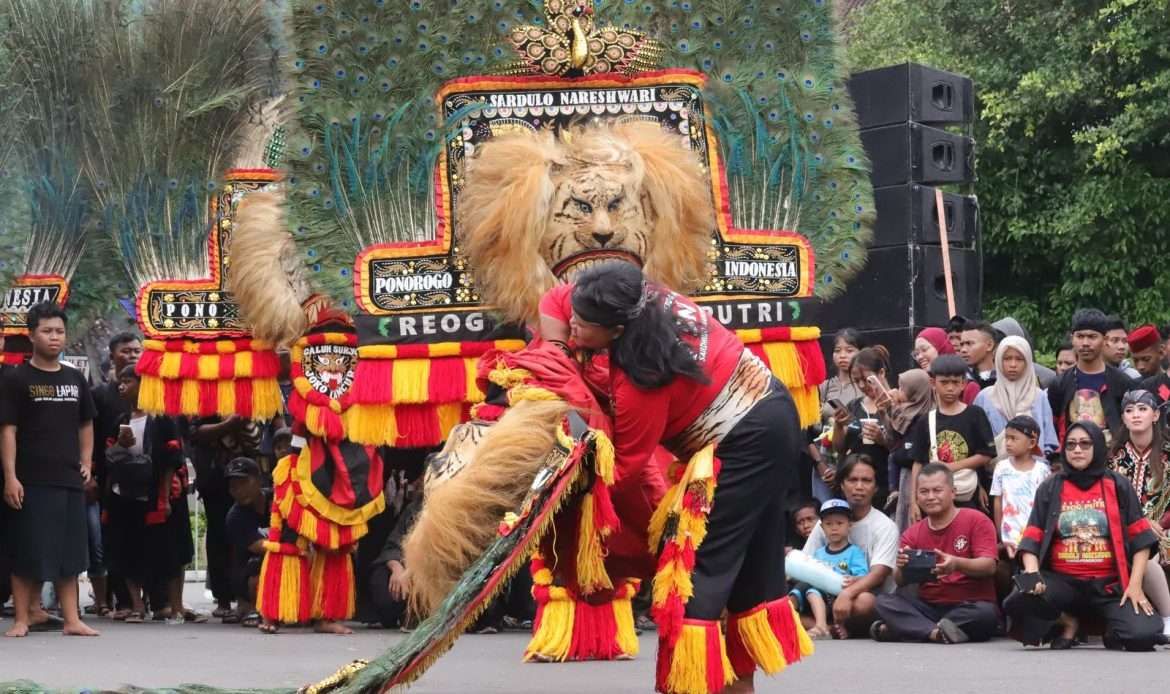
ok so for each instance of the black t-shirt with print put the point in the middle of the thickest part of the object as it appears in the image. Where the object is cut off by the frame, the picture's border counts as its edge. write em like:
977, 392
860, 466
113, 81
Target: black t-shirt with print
47, 408
1159, 385
959, 436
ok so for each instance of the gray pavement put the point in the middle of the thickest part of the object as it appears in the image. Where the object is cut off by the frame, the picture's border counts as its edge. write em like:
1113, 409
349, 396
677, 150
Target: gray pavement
157, 655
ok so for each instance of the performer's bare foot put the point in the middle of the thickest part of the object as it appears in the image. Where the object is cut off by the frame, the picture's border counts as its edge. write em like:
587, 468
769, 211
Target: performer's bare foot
18, 630
746, 685
324, 627
79, 628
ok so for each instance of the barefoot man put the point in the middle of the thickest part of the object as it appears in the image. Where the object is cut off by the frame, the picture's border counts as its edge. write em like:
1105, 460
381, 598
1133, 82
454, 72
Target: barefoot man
45, 468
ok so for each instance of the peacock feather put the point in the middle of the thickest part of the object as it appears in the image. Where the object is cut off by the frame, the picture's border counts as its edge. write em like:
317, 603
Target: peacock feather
366, 132
171, 92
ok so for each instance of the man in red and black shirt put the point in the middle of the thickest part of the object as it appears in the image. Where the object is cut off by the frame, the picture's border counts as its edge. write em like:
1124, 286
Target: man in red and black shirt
956, 600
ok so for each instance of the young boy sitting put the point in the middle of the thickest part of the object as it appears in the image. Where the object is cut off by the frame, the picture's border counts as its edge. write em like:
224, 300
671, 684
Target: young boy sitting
844, 558
1015, 481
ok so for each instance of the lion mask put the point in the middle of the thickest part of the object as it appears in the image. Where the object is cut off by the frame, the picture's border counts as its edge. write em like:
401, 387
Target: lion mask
537, 208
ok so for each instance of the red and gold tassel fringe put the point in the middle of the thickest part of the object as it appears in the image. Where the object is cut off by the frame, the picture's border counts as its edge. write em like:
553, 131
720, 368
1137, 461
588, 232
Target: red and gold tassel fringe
697, 663
283, 593
205, 378
597, 519
569, 628
689, 501
794, 355
334, 588
770, 636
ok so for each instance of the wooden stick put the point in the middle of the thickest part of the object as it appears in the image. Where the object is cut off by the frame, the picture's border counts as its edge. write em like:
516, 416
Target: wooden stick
946, 252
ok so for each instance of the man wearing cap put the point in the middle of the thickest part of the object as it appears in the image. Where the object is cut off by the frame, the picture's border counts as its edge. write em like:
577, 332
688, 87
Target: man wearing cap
876, 535
1091, 390
840, 555
950, 554
1159, 382
1145, 350
246, 528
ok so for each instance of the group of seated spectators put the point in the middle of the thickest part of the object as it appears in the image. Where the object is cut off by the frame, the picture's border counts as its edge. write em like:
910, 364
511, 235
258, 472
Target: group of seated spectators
985, 494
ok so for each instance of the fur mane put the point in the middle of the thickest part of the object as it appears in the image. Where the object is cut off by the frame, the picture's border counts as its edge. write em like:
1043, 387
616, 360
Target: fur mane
505, 207
266, 278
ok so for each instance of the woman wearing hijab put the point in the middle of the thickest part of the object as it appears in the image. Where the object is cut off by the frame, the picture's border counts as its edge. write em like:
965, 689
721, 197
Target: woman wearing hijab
915, 398
1086, 549
681, 380
1016, 392
932, 343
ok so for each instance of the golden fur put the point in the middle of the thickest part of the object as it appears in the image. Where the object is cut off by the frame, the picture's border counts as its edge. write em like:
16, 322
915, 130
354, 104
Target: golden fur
533, 200
461, 517
265, 276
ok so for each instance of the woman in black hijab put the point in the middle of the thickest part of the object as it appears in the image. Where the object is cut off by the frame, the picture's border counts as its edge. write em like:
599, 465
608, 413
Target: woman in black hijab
1085, 551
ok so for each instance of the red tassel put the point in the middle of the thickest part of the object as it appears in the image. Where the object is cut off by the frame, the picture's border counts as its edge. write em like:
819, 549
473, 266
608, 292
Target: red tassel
715, 674
604, 516
265, 364
594, 632
208, 398
374, 478
662, 668
189, 367
335, 585
447, 381
812, 360
173, 396
149, 363
418, 426
244, 397
781, 619
373, 382
227, 367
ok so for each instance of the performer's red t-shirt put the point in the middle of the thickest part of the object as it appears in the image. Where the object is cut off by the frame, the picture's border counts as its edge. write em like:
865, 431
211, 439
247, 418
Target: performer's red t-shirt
1081, 546
971, 535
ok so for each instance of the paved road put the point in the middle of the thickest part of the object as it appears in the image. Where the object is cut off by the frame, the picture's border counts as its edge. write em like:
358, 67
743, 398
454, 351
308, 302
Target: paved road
156, 655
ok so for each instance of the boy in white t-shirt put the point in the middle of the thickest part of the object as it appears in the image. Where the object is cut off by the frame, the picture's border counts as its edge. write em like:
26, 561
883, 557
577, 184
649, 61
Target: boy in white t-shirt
1015, 481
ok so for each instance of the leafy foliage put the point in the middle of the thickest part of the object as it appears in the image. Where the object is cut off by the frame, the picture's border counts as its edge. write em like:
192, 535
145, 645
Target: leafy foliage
1072, 129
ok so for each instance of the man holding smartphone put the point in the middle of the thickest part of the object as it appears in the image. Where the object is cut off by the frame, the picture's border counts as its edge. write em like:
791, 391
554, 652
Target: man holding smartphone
46, 447
956, 602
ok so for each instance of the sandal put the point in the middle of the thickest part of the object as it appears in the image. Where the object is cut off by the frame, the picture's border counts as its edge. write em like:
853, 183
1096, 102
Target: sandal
119, 615
1062, 644
135, 618
221, 612
251, 621
266, 628
232, 617
880, 632
194, 617
105, 612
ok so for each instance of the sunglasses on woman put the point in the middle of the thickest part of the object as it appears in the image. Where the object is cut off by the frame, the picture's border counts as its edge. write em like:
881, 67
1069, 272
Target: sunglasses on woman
1083, 444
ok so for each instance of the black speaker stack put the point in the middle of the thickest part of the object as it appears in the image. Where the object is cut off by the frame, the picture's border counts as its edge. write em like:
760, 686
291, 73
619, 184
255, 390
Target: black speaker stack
915, 124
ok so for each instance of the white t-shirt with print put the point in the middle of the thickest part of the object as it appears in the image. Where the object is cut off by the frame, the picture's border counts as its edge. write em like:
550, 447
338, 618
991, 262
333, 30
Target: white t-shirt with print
875, 534
1018, 490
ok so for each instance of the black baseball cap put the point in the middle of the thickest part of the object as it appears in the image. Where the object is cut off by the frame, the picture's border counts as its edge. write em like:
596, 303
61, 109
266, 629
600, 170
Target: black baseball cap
242, 468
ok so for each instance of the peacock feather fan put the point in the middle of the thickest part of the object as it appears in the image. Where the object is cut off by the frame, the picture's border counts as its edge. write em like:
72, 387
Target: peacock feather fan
364, 75
171, 93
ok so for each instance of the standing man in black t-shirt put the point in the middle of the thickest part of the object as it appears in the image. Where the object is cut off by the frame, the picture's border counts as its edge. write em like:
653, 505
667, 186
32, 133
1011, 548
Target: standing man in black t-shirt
45, 467
1092, 390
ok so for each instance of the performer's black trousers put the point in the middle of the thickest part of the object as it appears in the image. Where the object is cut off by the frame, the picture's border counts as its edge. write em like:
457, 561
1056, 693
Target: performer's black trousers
740, 564
1034, 617
910, 619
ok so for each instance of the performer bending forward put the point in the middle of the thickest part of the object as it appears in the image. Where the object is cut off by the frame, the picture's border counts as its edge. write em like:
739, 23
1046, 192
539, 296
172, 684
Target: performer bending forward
680, 379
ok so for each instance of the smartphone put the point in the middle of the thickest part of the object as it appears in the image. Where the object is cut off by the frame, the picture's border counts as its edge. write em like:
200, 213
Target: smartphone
836, 404
1026, 582
125, 429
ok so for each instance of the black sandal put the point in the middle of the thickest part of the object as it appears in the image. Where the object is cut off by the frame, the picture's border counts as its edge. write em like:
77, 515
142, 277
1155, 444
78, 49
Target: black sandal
1062, 644
251, 620
879, 632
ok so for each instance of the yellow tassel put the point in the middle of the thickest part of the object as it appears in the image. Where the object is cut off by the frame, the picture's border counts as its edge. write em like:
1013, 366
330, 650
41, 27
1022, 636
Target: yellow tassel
623, 617
150, 395
189, 398
225, 401
378, 352
243, 364
552, 640
808, 405
802, 638
444, 349
371, 425
169, 368
688, 667
603, 457
316, 584
756, 633
474, 394
508, 378
751, 336
450, 415
591, 574
805, 334
411, 381
267, 401
524, 392
208, 367
308, 529
289, 599
784, 361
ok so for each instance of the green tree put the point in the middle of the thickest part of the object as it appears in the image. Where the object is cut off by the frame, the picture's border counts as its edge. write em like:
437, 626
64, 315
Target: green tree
1073, 144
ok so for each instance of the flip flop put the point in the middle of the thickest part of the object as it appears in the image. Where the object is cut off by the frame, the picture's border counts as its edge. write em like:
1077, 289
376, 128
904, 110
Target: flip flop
195, 617
251, 621
135, 618
269, 629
